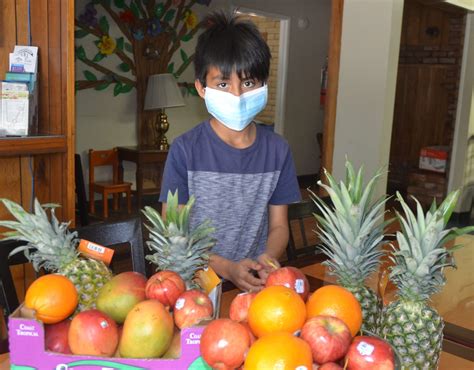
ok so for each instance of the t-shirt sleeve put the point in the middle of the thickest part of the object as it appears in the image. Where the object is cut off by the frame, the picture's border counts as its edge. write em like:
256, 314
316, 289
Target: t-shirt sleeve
287, 189
175, 175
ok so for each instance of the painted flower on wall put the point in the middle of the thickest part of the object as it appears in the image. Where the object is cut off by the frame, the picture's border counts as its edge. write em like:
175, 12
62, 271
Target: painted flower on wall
89, 15
107, 45
127, 16
154, 27
190, 19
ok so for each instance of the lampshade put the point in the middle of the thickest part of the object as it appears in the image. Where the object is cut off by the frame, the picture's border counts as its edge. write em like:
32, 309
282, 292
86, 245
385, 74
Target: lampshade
162, 92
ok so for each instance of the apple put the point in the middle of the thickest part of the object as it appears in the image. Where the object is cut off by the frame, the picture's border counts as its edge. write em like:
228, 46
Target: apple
224, 344
239, 307
291, 277
328, 337
55, 337
330, 366
370, 353
191, 307
165, 286
94, 333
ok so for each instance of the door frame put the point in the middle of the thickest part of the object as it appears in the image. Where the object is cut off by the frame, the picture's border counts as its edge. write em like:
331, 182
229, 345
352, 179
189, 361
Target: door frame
334, 55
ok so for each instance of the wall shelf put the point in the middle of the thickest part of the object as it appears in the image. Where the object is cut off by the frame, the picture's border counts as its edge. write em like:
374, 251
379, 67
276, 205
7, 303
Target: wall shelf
13, 146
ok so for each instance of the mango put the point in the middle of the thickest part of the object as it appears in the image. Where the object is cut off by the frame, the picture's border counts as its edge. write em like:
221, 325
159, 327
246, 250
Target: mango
120, 294
147, 331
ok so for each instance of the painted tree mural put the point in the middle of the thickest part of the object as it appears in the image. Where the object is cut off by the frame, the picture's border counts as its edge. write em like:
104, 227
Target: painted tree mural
151, 32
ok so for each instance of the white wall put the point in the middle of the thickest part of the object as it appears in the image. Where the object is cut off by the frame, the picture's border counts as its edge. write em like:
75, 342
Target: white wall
104, 121
460, 175
371, 32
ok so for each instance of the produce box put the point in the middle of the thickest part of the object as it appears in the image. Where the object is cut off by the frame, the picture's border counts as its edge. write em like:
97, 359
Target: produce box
434, 158
27, 348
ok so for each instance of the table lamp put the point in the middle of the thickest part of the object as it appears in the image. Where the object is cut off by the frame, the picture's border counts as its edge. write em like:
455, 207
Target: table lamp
162, 92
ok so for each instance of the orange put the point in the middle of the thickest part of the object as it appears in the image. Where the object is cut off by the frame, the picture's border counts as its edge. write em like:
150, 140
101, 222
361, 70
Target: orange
53, 297
279, 350
334, 300
276, 308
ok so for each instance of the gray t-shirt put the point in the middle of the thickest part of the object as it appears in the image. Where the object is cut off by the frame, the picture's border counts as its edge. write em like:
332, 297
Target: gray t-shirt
233, 187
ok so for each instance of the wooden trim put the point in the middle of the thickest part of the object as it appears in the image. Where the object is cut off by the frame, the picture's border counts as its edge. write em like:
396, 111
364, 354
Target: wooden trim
32, 145
335, 34
68, 93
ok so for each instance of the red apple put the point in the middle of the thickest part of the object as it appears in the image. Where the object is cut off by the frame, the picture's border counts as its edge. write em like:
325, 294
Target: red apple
330, 366
93, 333
239, 307
165, 286
224, 344
370, 353
328, 337
55, 337
291, 277
191, 307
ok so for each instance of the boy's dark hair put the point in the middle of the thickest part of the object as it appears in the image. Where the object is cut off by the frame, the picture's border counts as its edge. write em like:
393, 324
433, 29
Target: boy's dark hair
229, 43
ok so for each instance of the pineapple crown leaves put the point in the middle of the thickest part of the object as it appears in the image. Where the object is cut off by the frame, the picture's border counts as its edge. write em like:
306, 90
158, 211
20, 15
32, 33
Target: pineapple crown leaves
176, 246
421, 255
49, 242
353, 230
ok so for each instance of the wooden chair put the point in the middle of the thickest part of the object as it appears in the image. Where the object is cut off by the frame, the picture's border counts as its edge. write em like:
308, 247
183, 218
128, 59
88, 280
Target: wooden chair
81, 204
124, 237
301, 222
98, 158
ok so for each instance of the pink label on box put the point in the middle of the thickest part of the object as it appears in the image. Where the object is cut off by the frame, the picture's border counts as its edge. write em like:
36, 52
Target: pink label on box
26, 338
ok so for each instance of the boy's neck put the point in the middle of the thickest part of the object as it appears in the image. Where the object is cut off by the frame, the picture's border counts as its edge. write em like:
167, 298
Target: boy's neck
237, 139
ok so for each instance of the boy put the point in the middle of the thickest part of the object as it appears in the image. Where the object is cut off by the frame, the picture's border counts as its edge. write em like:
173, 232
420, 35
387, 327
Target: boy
241, 174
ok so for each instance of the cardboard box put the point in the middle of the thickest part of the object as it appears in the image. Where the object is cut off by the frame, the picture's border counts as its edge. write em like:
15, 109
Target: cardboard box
27, 349
434, 158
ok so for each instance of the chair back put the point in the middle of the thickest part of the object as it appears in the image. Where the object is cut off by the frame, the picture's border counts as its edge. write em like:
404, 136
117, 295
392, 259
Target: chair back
8, 297
124, 237
99, 158
303, 243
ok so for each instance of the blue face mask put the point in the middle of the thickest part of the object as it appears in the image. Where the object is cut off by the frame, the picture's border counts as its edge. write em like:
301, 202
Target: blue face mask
236, 112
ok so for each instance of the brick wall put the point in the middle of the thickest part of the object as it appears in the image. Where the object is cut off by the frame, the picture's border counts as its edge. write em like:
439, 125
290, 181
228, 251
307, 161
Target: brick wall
270, 29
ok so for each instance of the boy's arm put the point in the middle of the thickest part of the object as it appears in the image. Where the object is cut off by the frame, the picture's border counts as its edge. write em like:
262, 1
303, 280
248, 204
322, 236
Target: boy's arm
278, 235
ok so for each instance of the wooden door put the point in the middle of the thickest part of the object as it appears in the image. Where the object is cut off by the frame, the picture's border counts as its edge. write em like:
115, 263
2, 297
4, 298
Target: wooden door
420, 112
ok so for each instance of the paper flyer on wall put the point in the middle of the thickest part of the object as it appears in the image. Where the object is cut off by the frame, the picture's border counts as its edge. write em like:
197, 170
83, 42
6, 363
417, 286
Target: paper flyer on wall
14, 108
24, 59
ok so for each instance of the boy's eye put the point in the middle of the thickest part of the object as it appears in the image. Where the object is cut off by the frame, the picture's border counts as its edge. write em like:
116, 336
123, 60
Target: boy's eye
222, 85
248, 83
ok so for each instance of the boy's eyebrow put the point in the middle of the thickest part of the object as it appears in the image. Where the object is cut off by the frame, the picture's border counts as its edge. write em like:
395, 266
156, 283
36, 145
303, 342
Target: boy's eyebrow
219, 77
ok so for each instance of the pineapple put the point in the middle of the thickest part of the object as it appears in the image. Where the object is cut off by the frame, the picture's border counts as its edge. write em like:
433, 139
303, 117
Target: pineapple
352, 233
175, 246
413, 327
52, 246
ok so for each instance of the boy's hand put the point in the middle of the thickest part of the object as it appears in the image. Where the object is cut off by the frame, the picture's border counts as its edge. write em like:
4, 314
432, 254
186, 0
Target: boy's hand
268, 264
241, 275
